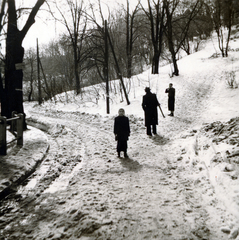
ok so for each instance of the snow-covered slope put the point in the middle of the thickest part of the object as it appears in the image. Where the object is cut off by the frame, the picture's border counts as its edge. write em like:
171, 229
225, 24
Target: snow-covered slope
202, 91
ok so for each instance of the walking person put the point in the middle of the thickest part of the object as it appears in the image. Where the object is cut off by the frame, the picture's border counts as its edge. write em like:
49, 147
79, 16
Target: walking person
122, 132
171, 98
149, 105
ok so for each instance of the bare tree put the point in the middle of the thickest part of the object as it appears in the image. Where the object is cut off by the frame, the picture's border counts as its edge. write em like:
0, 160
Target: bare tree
222, 13
156, 16
103, 37
200, 28
76, 28
173, 16
170, 9
57, 67
132, 34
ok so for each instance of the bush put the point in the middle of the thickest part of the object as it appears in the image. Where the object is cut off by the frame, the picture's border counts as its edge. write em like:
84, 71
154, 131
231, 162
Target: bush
231, 79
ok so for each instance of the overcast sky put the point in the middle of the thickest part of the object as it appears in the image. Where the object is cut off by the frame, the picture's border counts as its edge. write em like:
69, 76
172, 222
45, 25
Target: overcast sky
46, 29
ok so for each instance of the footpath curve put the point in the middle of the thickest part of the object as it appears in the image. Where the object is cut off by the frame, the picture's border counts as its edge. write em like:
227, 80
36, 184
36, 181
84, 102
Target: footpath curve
21, 162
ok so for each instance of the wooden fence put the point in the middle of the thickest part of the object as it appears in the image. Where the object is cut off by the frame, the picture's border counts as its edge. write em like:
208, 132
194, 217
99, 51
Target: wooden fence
16, 128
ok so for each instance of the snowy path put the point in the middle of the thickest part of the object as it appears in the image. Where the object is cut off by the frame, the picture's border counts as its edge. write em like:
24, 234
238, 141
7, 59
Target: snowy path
83, 191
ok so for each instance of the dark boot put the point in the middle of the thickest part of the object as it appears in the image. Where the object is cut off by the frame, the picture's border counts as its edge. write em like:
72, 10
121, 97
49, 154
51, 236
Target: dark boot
154, 130
119, 154
149, 133
126, 155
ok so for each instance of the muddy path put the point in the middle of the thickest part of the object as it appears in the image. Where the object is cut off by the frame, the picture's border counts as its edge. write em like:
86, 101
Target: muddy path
83, 191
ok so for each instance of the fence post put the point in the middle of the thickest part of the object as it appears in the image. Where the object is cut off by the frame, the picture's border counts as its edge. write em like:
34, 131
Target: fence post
13, 122
3, 135
20, 129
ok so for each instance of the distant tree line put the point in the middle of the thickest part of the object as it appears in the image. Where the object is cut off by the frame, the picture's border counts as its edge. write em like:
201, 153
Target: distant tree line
140, 36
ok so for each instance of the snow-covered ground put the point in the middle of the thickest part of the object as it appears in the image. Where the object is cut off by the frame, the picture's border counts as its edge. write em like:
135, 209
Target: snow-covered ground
188, 147
201, 85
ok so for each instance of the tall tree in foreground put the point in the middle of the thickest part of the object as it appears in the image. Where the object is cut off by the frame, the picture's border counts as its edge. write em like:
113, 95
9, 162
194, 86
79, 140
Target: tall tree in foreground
13, 94
2, 23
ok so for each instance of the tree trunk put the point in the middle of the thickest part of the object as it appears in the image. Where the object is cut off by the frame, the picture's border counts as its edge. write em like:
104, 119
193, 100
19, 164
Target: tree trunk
159, 42
155, 63
78, 89
77, 79
129, 53
39, 77
170, 41
228, 39
31, 82
129, 67
128, 60
13, 95
1, 87
129, 39
156, 19
13, 76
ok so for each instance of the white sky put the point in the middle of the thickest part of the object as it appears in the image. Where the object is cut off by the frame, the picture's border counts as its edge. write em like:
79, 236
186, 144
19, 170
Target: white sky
46, 29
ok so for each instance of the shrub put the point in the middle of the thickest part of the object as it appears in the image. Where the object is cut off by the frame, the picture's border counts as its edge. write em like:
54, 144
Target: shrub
231, 79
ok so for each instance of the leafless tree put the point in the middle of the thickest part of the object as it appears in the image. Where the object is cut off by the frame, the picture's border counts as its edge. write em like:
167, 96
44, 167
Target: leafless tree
132, 33
222, 15
156, 15
173, 14
76, 28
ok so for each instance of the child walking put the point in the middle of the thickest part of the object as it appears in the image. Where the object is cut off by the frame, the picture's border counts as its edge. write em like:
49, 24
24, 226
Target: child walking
122, 132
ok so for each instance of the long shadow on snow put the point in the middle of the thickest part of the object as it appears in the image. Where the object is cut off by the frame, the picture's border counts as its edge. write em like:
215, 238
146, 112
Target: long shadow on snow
160, 140
130, 164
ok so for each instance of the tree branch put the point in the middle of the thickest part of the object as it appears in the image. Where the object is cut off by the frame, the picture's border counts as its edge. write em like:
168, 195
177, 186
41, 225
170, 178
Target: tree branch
2, 14
31, 19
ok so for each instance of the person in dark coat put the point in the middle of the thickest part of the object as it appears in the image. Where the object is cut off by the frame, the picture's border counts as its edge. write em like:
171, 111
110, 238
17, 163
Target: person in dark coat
122, 132
171, 98
149, 105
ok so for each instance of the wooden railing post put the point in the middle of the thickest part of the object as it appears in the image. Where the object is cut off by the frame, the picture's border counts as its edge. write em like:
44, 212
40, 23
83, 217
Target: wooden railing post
20, 129
3, 136
13, 122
